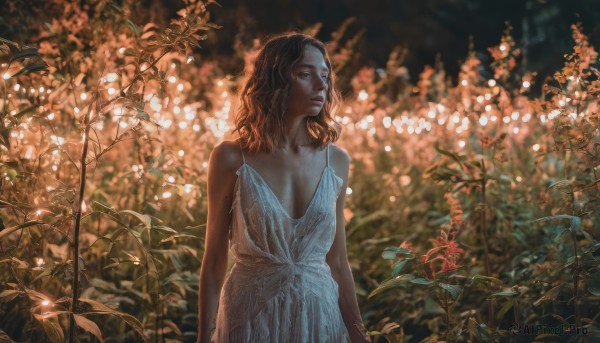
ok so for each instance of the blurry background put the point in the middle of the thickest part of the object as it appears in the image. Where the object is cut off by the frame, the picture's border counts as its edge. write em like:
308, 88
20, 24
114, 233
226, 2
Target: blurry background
425, 27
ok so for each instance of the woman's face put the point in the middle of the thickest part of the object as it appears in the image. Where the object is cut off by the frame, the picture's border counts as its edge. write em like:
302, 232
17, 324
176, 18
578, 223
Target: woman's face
309, 83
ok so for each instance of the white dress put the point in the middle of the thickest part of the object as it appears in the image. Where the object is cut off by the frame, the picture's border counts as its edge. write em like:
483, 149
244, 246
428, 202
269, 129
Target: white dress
280, 288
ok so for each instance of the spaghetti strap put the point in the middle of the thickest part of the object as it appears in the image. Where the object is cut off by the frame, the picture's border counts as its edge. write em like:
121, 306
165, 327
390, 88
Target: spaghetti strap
240, 144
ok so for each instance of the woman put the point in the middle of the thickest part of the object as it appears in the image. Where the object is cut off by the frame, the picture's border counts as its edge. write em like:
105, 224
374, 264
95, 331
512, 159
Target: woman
277, 197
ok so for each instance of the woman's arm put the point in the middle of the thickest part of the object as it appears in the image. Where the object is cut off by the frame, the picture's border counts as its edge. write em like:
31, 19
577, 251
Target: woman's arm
338, 262
221, 181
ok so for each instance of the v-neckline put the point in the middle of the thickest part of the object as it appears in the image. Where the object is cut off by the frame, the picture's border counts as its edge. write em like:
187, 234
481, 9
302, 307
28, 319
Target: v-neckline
310, 203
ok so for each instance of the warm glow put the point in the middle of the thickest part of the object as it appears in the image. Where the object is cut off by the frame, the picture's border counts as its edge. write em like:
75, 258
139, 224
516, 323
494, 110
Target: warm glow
363, 95
405, 180
39, 261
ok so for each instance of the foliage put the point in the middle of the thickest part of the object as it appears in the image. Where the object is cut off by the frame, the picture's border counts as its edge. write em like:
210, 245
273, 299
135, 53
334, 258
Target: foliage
107, 125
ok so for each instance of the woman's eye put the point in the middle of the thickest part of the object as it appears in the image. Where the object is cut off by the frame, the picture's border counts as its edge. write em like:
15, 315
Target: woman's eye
304, 74
325, 77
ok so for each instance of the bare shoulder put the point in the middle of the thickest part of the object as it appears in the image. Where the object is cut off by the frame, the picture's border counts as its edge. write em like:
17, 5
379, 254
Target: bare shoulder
226, 157
340, 161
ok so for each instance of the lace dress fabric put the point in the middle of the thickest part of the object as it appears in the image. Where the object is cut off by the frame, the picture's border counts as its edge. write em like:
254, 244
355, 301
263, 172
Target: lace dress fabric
280, 288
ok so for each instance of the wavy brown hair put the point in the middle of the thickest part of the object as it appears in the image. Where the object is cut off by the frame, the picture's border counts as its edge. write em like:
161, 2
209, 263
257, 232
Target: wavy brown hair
260, 119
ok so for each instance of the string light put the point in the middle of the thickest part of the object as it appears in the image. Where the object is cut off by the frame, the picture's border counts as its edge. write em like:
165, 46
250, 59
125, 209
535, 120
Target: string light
39, 261
405, 180
363, 95
6, 76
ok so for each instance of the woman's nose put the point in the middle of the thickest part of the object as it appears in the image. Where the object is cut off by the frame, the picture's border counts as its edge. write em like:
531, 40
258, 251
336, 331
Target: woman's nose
321, 84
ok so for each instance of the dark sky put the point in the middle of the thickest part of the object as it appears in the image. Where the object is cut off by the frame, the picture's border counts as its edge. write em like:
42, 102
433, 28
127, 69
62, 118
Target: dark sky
425, 27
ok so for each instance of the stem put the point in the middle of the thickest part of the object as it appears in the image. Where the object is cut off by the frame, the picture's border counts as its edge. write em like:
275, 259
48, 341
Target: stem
576, 281
447, 310
484, 234
574, 238
77, 224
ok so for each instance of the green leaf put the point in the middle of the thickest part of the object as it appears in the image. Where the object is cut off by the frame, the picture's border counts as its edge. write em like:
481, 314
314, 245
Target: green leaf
480, 277
32, 68
421, 281
507, 292
134, 28
593, 282
102, 309
398, 281
390, 253
131, 52
398, 267
25, 53
8, 294
53, 330
550, 295
450, 154
143, 115
88, 326
575, 221
144, 218
480, 330
452, 289
10, 230
505, 307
